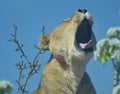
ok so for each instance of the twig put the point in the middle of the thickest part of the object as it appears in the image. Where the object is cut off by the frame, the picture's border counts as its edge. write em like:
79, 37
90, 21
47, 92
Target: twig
30, 67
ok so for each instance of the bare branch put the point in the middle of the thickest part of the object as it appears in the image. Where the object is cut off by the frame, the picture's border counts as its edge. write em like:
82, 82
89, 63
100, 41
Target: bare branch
30, 67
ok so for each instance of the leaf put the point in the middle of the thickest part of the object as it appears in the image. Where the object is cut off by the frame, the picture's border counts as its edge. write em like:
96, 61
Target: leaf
102, 60
104, 57
110, 50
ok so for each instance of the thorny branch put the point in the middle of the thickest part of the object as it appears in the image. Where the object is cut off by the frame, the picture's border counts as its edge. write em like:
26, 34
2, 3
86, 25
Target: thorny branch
25, 66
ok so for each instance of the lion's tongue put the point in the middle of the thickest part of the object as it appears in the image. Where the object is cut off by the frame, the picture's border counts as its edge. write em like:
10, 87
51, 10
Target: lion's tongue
86, 45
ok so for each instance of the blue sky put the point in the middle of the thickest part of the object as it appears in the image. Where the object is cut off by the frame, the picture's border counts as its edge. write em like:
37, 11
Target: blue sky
31, 15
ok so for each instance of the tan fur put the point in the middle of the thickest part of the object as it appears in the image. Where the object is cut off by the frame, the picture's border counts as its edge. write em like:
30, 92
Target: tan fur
65, 71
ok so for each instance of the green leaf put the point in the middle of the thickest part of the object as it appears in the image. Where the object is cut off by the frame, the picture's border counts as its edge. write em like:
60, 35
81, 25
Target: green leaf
102, 60
104, 57
110, 50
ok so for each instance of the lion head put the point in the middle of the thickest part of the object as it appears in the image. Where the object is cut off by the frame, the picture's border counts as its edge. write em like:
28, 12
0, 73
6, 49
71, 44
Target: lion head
72, 36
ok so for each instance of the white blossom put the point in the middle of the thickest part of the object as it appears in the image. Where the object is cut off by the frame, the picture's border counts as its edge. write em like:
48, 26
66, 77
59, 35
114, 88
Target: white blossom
116, 90
114, 42
97, 54
102, 42
114, 32
99, 47
116, 55
5, 86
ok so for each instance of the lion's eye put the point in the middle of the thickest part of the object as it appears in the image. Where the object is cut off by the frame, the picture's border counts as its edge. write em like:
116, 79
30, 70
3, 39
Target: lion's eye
82, 10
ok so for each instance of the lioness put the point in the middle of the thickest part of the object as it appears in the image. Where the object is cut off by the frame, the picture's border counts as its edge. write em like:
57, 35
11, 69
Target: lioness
72, 44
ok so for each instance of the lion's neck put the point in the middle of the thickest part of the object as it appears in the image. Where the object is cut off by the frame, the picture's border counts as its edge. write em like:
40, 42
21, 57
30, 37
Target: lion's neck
77, 64
73, 64
74, 75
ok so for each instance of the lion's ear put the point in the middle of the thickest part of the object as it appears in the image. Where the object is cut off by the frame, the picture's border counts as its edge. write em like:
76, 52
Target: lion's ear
44, 42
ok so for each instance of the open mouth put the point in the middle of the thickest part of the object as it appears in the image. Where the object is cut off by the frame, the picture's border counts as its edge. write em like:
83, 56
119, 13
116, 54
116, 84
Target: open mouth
83, 36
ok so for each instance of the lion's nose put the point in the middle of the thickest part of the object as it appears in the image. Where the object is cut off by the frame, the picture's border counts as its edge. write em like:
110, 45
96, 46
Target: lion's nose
82, 10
